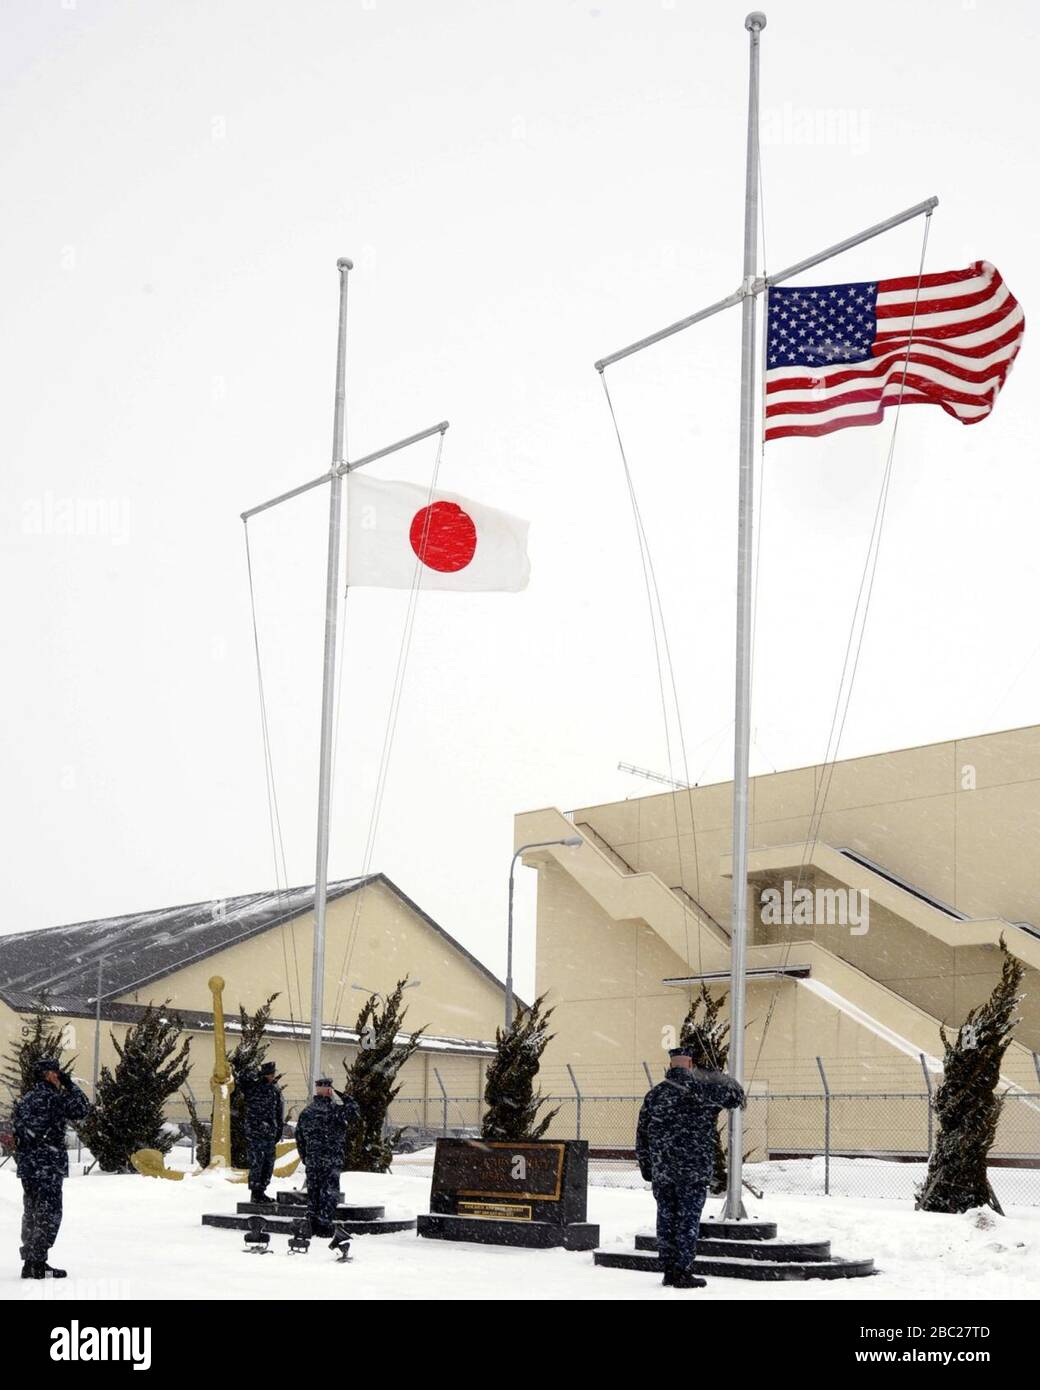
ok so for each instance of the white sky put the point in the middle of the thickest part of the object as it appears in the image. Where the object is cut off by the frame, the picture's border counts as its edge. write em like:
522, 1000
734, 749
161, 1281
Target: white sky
523, 187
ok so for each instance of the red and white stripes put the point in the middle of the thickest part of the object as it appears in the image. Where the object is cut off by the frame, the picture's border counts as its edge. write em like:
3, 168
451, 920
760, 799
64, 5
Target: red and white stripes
953, 348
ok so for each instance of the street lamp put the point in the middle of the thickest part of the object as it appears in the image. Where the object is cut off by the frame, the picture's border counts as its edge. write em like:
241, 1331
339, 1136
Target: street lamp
571, 841
97, 1029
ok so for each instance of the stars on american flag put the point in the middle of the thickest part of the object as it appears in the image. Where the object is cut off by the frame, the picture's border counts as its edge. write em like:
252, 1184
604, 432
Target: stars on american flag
825, 326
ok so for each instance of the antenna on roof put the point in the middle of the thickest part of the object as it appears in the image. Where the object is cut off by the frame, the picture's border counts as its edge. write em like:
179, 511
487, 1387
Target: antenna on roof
655, 777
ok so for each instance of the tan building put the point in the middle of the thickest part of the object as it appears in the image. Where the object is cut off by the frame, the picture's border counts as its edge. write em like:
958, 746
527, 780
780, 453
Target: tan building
880, 889
261, 944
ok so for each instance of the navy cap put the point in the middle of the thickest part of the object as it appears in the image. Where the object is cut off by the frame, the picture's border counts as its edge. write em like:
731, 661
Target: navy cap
46, 1064
268, 1069
682, 1052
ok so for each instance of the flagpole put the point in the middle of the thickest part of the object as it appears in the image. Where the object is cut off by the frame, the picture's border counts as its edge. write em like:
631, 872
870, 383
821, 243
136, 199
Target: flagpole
734, 1210
321, 871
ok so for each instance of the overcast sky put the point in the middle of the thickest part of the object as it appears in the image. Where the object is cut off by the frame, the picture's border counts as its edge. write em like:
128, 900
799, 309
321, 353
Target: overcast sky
523, 187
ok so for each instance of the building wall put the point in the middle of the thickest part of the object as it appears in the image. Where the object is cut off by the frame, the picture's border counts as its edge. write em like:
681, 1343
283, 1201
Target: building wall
959, 820
420, 1101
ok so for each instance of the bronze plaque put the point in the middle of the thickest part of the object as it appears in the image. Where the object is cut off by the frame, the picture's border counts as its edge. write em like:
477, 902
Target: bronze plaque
498, 1210
490, 1168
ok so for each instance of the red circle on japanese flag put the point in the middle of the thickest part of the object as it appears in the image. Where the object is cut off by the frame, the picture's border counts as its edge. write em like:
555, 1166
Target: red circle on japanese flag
443, 536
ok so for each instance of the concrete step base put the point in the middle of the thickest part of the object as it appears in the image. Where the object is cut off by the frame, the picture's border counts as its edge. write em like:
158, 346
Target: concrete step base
528, 1235
283, 1225
292, 1211
730, 1267
719, 1229
775, 1250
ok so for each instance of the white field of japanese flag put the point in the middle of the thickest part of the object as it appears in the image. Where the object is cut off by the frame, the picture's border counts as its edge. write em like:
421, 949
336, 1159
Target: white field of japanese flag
401, 534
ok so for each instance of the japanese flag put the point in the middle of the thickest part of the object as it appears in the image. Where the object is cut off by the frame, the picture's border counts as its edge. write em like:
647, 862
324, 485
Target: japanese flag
401, 534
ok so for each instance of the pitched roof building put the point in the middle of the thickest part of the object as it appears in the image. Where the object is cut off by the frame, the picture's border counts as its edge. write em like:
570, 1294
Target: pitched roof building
260, 944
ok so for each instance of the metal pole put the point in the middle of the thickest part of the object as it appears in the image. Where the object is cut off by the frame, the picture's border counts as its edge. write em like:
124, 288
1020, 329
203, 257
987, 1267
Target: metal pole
444, 1103
1036, 1064
826, 1129
577, 1104
509, 945
734, 1211
571, 841
928, 1089
328, 682
649, 1077
97, 1032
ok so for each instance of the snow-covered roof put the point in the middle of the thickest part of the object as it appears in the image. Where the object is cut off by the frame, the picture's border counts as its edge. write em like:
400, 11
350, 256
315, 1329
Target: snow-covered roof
137, 949
134, 951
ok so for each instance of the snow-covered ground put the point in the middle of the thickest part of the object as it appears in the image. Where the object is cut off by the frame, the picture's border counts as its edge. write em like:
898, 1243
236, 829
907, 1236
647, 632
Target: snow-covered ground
139, 1238
849, 1177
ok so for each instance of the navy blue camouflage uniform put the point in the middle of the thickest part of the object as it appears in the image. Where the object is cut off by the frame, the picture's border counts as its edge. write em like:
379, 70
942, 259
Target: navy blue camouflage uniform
321, 1133
264, 1122
42, 1160
675, 1149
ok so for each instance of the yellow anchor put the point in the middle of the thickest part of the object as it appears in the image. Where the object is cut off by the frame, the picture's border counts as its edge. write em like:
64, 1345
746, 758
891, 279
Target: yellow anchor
150, 1163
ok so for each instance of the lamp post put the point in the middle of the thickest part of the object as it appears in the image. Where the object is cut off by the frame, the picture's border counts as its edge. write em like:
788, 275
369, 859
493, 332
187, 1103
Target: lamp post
97, 1030
571, 841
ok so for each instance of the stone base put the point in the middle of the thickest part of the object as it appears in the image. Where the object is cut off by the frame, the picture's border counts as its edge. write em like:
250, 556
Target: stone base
808, 1252
743, 1250
527, 1235
283, 1223
292, 1211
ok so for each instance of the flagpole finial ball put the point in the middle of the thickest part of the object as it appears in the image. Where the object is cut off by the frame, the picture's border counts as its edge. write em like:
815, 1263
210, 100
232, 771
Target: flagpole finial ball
344, 264
756, 21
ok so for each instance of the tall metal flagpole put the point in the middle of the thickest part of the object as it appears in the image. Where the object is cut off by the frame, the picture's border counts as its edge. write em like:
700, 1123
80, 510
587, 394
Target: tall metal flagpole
332, 586
751, 286
754, 23
339, 468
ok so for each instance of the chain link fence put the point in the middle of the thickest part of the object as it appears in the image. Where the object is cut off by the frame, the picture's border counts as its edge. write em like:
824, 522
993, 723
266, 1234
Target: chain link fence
848, 1144
863, 1144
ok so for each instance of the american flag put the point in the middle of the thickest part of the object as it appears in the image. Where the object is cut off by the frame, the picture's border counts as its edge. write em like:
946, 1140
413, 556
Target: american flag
836, 354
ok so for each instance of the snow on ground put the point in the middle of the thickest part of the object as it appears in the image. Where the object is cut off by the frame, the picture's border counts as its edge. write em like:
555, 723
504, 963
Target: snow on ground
129, 1237
849, 1177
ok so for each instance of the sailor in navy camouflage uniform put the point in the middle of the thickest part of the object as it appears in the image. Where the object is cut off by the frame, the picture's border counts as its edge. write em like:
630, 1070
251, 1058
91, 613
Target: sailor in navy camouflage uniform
265, 1119
42, 1160
321, 1133
675, 1147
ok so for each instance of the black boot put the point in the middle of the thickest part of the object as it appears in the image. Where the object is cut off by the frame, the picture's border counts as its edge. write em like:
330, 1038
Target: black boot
668, 1281
33, 1269
54, 1273
686, 1279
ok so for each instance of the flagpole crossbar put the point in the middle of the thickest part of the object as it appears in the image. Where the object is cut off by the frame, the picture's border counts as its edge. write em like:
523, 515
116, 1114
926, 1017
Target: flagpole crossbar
285, 496
394, 448
758, 284
347, 468
661, 334
907, 215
